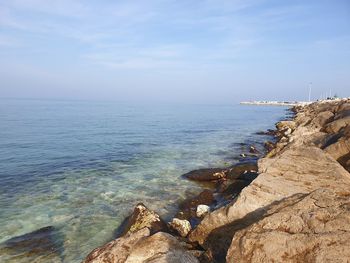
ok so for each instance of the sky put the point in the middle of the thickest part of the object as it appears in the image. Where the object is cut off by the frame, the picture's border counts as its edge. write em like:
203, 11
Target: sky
209, 51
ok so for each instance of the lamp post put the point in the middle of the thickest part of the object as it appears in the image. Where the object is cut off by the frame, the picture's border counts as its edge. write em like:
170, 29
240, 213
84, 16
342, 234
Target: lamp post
310, 87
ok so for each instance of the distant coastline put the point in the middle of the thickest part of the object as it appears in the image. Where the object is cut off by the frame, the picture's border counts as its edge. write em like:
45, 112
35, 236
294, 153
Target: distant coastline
275, 103
287, 103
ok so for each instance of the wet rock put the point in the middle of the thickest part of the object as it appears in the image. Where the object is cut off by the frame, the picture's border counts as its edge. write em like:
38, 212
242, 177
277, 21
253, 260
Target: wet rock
208, 174
221, 185
248, 176
160, 248
44, 243
140, 218
236, 187
300, 228
269, 146
202, 210
269, 132
117, 250
181, 226
240, 168
189, 206
252, 149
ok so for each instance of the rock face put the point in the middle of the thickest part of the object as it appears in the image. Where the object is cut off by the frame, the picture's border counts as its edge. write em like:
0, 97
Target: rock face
302, 228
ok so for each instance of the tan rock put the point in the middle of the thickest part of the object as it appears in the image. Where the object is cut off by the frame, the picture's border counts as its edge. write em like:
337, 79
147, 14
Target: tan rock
117, 250
335, 126
322, 119
183, 227
202, 210
301, 228
282, 125
297, 170
160, 248
140, 218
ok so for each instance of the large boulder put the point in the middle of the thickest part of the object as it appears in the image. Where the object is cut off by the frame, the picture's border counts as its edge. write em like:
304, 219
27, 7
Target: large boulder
297, 170
337, 125
140, 218
300, 228
322, 118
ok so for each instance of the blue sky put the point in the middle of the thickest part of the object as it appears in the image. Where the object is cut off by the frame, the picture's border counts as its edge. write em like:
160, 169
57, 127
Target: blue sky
210, 51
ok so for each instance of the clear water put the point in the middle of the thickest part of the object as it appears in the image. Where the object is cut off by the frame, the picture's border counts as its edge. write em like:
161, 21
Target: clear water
82, 166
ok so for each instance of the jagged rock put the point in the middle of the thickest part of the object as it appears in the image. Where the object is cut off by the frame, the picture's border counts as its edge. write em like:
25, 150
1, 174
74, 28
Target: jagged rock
209, 174
202, 210
140, 218
160, 248
181, 226
117, 250
300, 228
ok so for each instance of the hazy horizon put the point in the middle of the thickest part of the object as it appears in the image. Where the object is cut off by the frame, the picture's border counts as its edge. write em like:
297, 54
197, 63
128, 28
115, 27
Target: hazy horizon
174, 51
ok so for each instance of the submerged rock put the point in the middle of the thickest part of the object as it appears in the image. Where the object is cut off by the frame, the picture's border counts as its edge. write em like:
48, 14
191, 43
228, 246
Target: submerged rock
140, 218
45, 243
181, 226
189, 206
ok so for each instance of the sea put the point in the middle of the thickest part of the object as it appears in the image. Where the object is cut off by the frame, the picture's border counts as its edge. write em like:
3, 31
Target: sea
71, 171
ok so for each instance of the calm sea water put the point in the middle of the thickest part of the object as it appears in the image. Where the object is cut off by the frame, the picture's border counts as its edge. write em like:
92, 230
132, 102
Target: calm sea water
82, 166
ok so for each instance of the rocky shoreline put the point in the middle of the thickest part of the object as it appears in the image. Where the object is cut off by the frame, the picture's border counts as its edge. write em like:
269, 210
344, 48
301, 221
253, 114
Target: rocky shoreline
293, 205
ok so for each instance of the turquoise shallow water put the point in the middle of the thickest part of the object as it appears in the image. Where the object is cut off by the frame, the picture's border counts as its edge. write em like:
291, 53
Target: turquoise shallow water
82, 166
